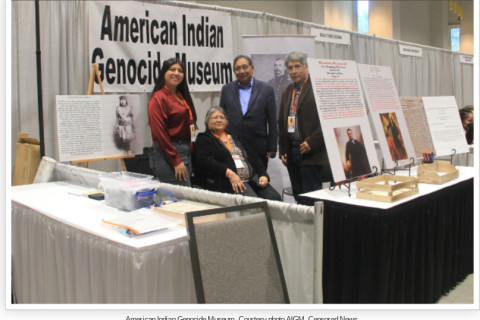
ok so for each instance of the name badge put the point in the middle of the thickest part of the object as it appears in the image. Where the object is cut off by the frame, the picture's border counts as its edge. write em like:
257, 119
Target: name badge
291, 124
238, 162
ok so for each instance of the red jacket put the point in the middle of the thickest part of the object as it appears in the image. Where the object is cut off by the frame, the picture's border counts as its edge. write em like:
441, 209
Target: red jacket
169, 119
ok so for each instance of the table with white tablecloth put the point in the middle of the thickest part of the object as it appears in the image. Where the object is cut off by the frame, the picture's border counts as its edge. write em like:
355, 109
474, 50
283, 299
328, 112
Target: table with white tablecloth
79, 259
63, 253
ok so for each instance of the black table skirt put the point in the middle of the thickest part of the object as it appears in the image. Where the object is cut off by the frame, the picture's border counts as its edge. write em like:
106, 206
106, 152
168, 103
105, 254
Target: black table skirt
412, 253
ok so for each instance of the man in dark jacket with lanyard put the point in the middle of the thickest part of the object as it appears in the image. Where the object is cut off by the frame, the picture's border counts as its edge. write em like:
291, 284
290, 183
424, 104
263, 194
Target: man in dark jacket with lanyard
301, 145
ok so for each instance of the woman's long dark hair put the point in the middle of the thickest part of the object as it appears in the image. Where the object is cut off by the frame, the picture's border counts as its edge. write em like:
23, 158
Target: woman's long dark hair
182, 87
464, 114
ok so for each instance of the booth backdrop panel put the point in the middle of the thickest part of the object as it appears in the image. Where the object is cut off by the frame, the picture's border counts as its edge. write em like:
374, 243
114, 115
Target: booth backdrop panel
66, 65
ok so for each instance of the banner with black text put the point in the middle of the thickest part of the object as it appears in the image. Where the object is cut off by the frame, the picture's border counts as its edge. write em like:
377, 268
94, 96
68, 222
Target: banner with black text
129, 41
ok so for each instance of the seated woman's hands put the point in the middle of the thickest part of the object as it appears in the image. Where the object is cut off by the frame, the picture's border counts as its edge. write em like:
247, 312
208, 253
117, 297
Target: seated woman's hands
263, 181
237, 184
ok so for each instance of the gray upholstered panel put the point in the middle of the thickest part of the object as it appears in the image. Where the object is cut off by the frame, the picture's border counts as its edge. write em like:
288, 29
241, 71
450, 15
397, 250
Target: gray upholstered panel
237, 262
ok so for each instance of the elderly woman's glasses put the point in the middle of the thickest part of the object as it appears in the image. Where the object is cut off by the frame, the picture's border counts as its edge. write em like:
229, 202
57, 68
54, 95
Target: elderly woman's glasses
217, 118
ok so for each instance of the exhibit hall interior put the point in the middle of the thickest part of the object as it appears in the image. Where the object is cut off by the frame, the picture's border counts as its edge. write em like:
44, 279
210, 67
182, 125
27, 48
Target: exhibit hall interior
303, 153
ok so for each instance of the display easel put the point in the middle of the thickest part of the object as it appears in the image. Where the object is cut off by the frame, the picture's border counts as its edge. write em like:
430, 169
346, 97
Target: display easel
91, 83
347, 183
396, 167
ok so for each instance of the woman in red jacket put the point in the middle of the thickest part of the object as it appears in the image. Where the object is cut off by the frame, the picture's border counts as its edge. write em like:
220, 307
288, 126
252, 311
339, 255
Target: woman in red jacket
172, 120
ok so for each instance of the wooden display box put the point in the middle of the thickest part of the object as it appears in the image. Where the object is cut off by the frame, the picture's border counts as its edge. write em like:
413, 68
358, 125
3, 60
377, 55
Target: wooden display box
387, 188
438, 172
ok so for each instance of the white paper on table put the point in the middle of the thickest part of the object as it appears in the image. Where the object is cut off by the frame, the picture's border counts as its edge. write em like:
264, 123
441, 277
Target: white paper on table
141, 221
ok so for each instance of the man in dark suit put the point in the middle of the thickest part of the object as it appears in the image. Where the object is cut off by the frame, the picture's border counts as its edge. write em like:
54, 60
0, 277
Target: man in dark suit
301, 145
280, 79
356, 157
251, 111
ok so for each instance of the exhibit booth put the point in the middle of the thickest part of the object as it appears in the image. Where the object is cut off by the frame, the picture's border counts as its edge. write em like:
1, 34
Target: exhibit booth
404, 237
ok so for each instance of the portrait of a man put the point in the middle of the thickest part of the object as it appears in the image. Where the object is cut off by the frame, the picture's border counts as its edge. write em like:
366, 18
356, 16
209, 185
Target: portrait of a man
352, 150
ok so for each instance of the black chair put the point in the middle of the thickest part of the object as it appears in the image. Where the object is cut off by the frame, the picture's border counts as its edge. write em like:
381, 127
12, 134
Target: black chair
236, 260
140, 163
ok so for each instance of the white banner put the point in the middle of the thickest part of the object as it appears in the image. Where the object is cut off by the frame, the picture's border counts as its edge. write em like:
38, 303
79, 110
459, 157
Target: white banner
129, 40
410, 50
323, 35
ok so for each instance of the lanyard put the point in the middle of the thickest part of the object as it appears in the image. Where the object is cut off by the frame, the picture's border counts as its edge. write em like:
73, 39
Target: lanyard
227, 144
182, 101
295, 101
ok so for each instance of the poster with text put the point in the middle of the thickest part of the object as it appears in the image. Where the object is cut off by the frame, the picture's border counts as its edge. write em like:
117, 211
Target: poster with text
445, 125
99, 126
129, 40
417, 124
387, 115
343, 116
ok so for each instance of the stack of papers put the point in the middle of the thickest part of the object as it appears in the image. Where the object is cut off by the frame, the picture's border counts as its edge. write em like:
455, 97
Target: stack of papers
182, 206
177, 209
141, 221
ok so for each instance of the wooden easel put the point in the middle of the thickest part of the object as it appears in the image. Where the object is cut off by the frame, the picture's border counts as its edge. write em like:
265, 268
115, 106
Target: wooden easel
95, 73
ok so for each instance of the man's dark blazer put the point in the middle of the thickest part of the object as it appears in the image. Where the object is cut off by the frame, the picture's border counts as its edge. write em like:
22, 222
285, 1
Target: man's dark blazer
258, 127
308, 124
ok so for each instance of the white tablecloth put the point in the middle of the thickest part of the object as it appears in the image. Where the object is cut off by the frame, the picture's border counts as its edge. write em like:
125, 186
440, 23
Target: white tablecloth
63, 253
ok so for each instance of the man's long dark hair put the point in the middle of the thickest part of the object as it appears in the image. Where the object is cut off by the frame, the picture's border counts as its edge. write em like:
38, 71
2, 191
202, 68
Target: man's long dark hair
182, 87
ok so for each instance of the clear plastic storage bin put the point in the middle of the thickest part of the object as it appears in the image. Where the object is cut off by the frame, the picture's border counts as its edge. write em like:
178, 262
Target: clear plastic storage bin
128, 190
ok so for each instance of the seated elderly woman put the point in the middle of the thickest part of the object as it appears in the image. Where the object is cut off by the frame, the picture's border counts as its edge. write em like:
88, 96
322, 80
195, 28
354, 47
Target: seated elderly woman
223, 163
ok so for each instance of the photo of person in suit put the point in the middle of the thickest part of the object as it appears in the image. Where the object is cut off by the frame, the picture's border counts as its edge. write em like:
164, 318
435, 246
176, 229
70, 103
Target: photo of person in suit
280, 79
355, 162
251, 112
394, 136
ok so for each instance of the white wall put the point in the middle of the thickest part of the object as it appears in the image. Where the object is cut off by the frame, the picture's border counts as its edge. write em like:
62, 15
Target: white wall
440, 35
281, 8
339, 14
312, 13
380, 21
466, 31
414, 21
